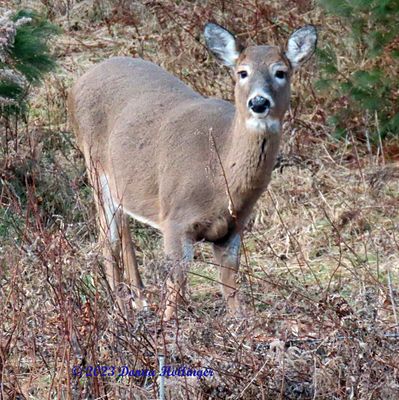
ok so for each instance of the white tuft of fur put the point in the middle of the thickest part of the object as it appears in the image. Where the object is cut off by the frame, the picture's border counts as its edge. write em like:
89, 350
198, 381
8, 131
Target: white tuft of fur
188, 251
142, 219
234, 249
258, 125
110, 209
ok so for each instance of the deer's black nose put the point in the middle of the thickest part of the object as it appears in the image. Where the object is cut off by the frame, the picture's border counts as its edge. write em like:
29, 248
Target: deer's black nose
259, 104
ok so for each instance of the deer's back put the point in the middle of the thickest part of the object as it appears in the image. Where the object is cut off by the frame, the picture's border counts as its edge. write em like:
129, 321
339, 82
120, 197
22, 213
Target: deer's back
99, 97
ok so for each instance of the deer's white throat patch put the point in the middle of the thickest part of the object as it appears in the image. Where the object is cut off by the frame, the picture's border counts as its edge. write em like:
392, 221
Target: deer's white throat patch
258, 125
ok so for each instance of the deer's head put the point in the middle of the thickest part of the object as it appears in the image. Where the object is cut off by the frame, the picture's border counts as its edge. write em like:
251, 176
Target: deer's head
262, 73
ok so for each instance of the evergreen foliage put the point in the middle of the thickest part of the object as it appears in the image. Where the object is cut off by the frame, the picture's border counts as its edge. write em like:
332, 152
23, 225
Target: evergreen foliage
362, 71
24, 57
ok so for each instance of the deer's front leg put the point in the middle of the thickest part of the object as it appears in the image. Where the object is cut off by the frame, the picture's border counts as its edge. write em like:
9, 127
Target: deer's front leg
179, 252
227, 255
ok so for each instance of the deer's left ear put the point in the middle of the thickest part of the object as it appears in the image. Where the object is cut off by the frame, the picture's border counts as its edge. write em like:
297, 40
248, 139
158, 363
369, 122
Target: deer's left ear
301, 45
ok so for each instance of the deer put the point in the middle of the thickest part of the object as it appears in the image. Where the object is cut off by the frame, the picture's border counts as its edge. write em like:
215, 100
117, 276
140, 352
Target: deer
190, 166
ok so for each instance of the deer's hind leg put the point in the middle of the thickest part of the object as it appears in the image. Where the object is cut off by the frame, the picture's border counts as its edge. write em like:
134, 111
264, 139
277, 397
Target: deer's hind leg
130, 263
116, 242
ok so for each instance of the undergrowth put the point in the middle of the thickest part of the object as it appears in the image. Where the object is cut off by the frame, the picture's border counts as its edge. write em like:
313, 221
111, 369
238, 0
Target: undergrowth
319, 269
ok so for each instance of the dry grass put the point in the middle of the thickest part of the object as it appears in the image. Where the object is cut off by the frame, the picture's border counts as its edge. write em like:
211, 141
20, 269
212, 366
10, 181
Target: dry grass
320, 272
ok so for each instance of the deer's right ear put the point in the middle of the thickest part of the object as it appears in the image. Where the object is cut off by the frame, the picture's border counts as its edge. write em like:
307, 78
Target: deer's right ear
222, 44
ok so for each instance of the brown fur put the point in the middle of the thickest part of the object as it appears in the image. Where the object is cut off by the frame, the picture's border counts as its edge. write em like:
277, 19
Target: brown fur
168, 152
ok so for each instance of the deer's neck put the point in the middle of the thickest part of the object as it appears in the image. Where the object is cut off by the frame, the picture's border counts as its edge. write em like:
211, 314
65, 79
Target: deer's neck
249, 160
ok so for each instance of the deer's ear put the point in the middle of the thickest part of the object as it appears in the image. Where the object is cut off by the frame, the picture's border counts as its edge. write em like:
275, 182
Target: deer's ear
301, 45
222, 44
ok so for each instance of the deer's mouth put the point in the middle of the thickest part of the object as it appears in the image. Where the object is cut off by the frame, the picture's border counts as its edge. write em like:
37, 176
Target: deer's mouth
262, 115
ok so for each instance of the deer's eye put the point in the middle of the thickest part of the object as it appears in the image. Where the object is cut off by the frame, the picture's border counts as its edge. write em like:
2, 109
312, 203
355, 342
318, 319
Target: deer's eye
280, 74
242, 74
